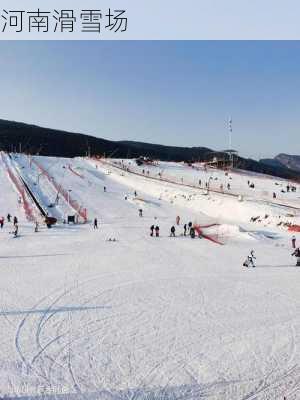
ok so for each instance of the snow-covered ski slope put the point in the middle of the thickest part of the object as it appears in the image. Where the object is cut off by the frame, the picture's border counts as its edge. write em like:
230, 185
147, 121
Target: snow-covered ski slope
141, 317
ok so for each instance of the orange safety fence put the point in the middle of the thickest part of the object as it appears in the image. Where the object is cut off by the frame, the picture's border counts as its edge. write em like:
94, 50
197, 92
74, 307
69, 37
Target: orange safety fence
20, 188
294, 228
81, 211
212, 238
75, 172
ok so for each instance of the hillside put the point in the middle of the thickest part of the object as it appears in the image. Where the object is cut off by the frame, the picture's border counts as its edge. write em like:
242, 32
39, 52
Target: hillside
32, 139
282, 160
289, 161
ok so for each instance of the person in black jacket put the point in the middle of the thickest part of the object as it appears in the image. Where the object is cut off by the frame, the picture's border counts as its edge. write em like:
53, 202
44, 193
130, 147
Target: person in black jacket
172, 231
157, 231
192, 233
297, 255
151, 230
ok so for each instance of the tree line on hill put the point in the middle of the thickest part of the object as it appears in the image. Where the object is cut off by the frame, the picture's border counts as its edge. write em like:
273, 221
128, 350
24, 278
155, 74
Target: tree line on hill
32, 139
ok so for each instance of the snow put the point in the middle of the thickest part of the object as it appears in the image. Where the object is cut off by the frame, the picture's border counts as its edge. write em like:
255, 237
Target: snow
143, 317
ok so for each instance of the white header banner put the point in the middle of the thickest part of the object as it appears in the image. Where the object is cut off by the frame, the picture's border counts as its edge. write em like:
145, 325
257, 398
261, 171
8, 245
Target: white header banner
149, 19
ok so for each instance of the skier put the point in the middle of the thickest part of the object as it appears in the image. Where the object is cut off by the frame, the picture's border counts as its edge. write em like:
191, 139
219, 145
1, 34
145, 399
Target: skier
172, 234
274, 195
177, 220
95, 223
8, 217
15, 220
190, 224
1, 222
294, 242
135, 193
16, 231
104, 188
140, 212
36, 226
249, 262
184, 229
157, 231
151, 230
297, 255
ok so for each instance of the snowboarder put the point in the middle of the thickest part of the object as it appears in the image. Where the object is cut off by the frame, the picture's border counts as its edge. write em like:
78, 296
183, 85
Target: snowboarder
157, 231
15, 220
151, 230
172, 234
184, 229
140, 212
95, 223
249, 262
8, 217
293, 242
177, 220
297, 255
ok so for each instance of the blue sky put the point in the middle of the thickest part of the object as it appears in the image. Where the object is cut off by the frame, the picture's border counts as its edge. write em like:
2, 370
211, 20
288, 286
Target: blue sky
176, 93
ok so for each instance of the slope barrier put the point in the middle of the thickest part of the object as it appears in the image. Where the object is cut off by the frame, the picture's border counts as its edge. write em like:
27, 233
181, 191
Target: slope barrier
81, 211
212, 238
75, 172
20, 189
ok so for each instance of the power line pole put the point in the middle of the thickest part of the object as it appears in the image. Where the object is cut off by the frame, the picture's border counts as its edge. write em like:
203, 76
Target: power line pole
230, 140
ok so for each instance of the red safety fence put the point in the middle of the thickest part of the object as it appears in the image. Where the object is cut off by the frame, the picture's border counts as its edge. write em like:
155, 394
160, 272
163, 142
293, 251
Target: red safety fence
294, 228
20, 188
75, 172
81, 211
212, 238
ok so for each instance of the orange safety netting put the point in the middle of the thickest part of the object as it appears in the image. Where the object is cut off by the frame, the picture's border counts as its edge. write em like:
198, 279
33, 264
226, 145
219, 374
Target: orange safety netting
75, 172
212, 238
294, 228
20, 188
82, 212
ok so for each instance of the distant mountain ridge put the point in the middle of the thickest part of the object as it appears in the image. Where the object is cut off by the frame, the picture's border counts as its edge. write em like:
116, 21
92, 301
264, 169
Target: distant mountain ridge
32, 139
283, 160
289, 161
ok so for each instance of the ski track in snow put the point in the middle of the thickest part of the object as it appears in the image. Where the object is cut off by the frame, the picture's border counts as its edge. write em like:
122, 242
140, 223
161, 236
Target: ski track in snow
144, 318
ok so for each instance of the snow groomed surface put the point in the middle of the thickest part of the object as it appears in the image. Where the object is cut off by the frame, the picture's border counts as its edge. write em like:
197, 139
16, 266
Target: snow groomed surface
113, 313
